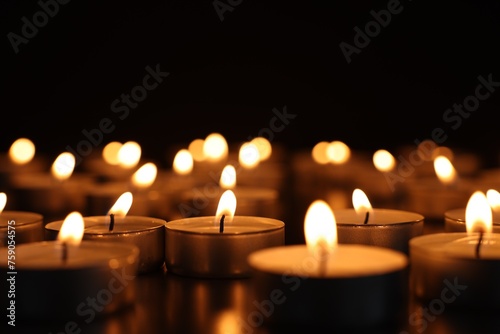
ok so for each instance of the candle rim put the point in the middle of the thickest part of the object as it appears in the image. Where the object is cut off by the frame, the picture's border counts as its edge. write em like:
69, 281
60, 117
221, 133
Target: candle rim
418, 218
37, 217
460, 212
171, 225
131, 257
155, 222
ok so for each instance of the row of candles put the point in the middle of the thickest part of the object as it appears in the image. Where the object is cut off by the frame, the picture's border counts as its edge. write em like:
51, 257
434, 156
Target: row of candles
352, 267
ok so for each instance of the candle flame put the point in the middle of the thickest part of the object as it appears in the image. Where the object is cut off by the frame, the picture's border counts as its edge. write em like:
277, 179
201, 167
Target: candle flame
478, 215
320, 229
196, 149
183, 162
228, 177
63, 166
384, 161
227, 207
71, 231
122, 205
264, 147
110, 153
215, 147
22, 151
360, 202
145, 176
249, 156
129, 154
444, 169
319, 152
3, 201
338, 152
493, 197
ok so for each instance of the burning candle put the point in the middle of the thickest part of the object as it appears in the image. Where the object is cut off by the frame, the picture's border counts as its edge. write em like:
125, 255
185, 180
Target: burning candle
454, 220
101, 196
462, 267
432, 197
327, 284
252, 201
379, 227
146, 233
19, 159
218, 246
56, 279
55, 193
18, 227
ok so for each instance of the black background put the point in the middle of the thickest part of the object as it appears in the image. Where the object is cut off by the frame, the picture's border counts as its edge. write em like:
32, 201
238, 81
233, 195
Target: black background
227, 76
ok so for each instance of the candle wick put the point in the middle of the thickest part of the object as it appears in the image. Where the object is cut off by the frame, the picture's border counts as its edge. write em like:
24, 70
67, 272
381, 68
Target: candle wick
367, 216
221, 224
111, 222
478, 246
64, 252
323, 253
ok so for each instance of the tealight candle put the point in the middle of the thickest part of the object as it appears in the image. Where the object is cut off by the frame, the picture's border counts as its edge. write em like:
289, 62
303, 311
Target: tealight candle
459, 266
147, 233
56, 279
54, 193
378, 227
328, 285
18, 227
218, 246
252, 201
432, 196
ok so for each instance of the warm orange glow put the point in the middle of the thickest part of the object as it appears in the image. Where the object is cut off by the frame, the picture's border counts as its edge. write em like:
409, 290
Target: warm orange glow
264, 147
145, 176
384, 161
228, 177
227, 207
110, 153
426, 150
444, 169
493, 197
22, 151
478, 215
122, 205
360, 202
444, 151
71, 231
319, 152
129, 154
3, 201
320, 229
249, 156
183, 162
63, 166
196, 149
338, 152
215, 147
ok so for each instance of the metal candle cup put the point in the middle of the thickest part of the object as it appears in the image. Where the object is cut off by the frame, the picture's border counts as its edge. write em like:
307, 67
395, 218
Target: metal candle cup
46, 287
147, 233
454, 221
27, 227
385, 228
195, 247
444, 267
359, 287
